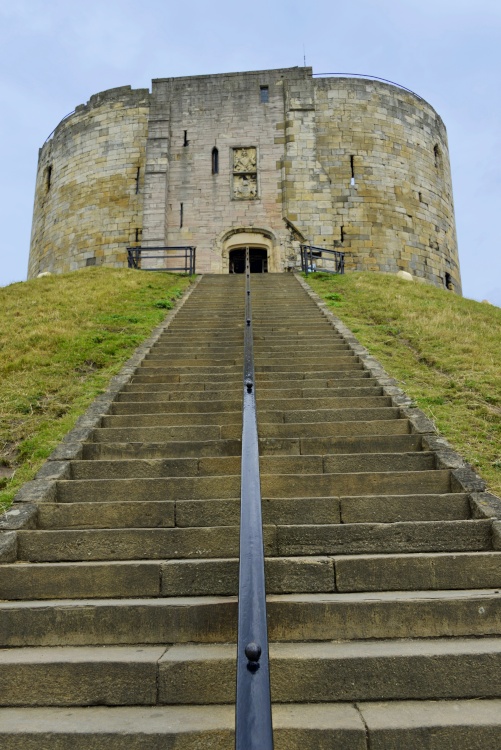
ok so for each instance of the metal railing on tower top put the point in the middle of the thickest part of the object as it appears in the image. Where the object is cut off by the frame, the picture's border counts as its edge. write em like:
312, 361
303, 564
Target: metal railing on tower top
253, 724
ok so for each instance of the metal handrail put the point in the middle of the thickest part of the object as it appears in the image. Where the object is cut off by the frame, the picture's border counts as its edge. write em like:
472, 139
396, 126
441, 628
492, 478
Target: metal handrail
311, 253
187, 252
253, 724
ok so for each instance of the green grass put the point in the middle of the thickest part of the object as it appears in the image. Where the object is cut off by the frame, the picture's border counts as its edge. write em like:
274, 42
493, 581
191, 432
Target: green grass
444, 350
62, 339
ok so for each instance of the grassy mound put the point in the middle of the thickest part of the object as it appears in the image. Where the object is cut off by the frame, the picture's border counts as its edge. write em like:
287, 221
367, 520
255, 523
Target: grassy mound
62, 339
444, 350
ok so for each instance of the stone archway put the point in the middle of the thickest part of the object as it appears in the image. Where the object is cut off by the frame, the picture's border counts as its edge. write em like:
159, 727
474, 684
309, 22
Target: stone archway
258, 257
256, 239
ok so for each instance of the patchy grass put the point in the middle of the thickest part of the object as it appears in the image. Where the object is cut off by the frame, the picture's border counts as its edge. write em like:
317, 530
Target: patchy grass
62, 338
444, 350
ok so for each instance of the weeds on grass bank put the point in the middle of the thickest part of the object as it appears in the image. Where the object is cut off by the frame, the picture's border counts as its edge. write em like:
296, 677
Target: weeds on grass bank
62, 339
443, 349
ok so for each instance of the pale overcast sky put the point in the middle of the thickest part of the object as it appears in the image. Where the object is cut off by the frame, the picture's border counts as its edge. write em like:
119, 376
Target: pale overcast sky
56, 53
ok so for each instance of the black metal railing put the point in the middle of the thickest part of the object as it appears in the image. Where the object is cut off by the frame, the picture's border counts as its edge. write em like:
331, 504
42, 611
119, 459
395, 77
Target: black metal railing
163, 258
253, 725
314, 258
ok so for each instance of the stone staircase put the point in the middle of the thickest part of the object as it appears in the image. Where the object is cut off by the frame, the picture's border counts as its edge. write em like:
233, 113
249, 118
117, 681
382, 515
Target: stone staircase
118, 619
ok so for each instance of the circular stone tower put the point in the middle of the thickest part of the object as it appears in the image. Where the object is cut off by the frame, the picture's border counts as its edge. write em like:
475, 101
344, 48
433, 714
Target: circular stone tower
354, 164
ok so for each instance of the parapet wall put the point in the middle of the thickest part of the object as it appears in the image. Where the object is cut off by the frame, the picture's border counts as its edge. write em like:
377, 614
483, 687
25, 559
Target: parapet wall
88, 201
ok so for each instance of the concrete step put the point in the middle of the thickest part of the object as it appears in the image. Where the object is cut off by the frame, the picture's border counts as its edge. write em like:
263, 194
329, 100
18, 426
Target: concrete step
292, 617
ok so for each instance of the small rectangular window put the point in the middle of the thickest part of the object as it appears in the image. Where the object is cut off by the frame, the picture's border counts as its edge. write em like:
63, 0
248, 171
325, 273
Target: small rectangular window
264, 94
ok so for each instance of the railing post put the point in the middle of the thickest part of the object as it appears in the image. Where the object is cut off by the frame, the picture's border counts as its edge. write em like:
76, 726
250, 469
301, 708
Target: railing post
253, 724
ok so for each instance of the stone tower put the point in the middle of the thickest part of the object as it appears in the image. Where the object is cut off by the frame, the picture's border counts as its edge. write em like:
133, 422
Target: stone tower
267, 159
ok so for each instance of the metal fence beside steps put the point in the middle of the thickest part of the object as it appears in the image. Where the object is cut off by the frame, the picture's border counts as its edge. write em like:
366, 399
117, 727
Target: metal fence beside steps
315, 258
180, 259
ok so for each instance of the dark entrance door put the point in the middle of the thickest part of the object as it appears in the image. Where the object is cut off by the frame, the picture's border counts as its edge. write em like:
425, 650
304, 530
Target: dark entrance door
258, 260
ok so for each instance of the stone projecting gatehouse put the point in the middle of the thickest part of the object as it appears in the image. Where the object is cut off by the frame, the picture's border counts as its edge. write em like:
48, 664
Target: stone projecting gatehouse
267, 160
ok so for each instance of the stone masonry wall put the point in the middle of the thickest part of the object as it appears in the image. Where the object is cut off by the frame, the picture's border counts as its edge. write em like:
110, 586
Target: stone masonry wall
89, 199
192, 116
397, 211
346, 163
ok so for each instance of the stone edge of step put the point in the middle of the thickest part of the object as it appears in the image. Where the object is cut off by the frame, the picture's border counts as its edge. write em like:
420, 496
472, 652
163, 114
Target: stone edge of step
483, 504
23, 512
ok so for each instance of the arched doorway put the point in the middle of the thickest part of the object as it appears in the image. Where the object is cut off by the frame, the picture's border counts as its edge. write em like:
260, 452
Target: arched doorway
258, 259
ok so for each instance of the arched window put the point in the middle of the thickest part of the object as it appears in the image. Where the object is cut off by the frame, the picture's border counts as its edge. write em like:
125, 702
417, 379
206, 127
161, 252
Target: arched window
215, 161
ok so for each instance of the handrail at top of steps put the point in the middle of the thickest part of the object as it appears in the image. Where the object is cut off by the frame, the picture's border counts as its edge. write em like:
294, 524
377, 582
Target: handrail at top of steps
253, 723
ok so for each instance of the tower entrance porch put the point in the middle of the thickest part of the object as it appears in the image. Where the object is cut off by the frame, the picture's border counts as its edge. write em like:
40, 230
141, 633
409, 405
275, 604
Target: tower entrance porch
258, 259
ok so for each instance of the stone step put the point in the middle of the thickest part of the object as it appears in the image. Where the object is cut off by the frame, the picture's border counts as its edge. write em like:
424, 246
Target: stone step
279, 464
315, 388
188, 376
152, 578
205, 674
381, 427
423, 482
187, 513
155, 402
267, 447
185, 449
175, 433
328, 365
232, 416
208, 727
183, 419
382, 670
419, 571
206, 577
165, 393
222, 541
181, 388
292, 617
226, 512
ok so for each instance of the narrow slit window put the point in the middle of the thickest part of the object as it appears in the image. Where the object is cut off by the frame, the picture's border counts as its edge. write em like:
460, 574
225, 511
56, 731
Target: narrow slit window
342, 232
185, 138
48, 177
438, 155
215, 161
138, 172
352, 167
181, 215
264, 94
